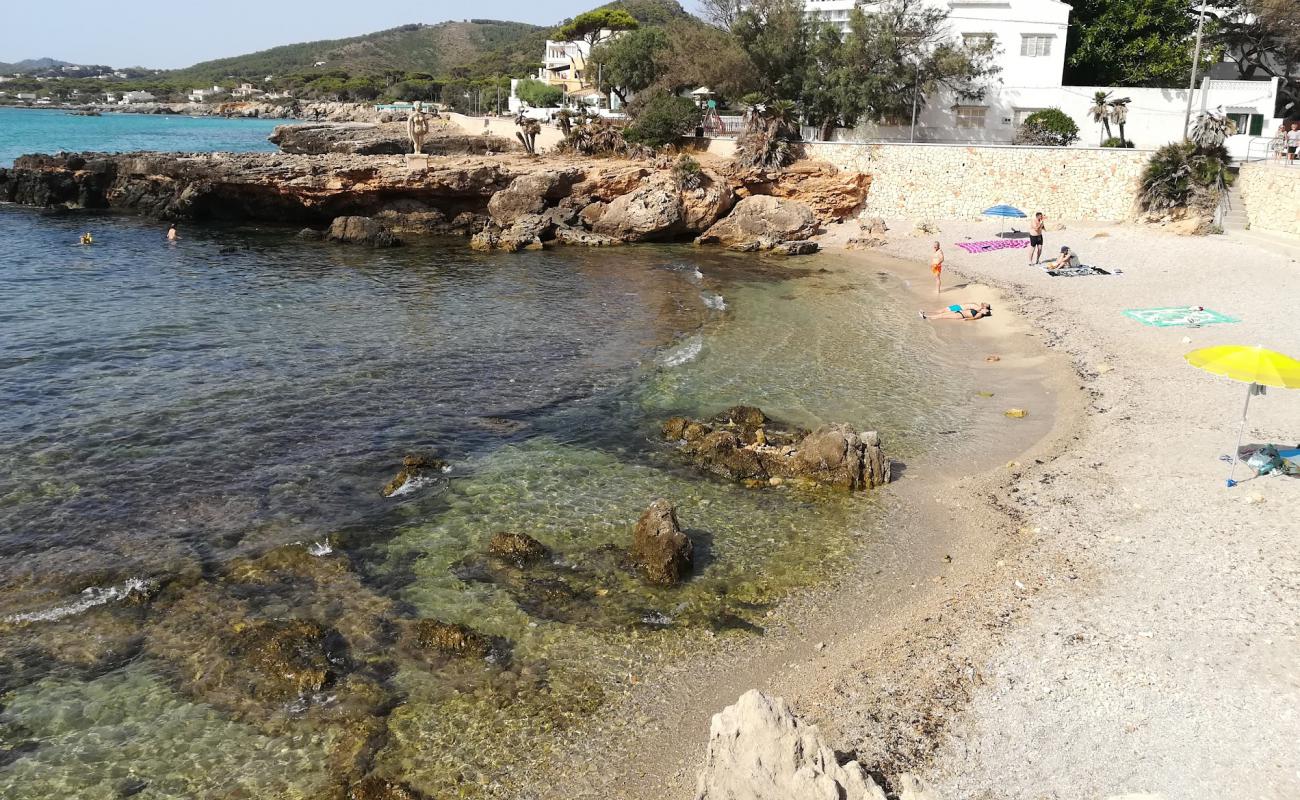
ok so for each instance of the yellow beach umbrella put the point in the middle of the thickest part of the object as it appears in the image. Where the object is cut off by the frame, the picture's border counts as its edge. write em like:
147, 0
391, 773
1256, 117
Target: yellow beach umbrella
1253, 365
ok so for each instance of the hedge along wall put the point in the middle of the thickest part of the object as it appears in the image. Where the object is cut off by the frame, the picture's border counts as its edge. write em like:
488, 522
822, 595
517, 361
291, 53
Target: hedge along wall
1271, 194
959, 181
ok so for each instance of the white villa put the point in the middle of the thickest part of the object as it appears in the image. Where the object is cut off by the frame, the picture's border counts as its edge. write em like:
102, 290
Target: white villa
202, 95
1030, 39
136, 97
564, 64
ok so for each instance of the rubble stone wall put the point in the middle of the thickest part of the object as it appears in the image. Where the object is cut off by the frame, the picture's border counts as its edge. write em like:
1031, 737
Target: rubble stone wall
959, 181
1271, 194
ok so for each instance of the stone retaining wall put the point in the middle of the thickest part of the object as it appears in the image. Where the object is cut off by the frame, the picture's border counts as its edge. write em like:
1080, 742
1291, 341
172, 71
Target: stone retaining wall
505, 127
1271, 194
958, 181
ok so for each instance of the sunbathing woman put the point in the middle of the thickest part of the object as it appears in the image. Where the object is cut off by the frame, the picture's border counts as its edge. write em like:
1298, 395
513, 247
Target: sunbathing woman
960, 312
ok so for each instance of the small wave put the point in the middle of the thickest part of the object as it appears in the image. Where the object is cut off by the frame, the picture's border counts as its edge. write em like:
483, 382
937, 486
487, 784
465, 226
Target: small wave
90, 597
412, 484
714, 301
684, 353
657, 618
321, 548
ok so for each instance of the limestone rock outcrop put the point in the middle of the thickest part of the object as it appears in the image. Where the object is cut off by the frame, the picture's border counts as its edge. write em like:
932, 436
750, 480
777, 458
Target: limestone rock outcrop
762, 223
376, 138
653, 212
759, 750
660, 550
831, 193
743, 444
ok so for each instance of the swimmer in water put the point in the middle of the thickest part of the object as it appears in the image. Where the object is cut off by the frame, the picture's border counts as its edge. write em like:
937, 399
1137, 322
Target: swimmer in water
171, 234
86, 238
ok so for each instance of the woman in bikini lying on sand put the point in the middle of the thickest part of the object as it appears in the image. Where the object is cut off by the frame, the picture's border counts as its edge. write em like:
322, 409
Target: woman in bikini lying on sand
960, 312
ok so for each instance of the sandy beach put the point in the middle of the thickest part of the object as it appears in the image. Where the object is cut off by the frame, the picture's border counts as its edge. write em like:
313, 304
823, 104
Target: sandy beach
1069, 605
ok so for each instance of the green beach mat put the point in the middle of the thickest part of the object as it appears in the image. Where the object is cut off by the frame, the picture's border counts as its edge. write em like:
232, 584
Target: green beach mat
1177, 317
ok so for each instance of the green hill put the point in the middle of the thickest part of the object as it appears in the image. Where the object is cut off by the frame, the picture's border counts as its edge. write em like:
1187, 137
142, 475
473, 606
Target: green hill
433, 49
472, 48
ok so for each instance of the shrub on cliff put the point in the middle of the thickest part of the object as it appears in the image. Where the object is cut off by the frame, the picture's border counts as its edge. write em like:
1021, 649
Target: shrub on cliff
766, 142
662, 119
1050, 127
1115, 141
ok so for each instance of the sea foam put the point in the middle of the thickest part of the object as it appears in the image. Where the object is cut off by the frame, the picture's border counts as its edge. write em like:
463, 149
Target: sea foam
90, 597
684, 353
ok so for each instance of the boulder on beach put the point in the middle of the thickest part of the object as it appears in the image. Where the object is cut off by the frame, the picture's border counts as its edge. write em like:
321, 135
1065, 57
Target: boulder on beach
361, 230
660, 550
759, 750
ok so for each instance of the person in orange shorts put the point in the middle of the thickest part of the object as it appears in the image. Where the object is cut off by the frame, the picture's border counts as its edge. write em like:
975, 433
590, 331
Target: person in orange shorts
936, 266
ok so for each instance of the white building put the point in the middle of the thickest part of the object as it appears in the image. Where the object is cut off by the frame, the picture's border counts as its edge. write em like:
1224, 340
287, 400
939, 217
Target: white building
202, 95
136, 97
1029, 41
246, 90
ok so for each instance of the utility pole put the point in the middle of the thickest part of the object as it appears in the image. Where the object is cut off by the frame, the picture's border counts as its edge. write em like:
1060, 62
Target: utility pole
916, 96
1196, 62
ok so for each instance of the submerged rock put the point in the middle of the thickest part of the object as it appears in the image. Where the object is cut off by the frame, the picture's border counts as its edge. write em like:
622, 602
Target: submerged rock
759, 750
374, 787
659, 548
293, 656
519, 549
445, 638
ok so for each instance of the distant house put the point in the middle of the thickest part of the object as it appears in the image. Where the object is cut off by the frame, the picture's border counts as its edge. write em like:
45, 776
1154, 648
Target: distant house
247, 90
110, 97
136, 97
26, 95
202, 95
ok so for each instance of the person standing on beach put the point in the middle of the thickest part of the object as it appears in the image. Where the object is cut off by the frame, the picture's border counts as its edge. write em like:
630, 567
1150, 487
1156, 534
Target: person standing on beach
1036, 238
1292, 142
936, 266
171, 234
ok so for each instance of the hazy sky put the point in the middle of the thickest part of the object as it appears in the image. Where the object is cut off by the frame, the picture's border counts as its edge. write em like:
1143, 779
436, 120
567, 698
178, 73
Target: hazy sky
177, 33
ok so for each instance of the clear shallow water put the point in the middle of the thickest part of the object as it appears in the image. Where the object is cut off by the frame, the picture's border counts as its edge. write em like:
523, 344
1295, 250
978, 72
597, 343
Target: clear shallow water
29, 130
173, 411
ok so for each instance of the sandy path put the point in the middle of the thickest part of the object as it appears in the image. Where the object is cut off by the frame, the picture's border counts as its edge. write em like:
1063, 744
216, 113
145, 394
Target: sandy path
1154, 644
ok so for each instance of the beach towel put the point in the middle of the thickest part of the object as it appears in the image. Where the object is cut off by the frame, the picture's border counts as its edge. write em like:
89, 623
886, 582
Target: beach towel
989, 247
1178, 317
1075, 272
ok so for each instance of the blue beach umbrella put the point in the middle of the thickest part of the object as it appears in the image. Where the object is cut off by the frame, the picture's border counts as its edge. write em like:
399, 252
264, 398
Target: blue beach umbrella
1004, 211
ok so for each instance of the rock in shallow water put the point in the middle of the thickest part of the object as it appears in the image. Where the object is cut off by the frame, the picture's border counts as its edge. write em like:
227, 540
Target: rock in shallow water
659, 548
519, 549
759, 750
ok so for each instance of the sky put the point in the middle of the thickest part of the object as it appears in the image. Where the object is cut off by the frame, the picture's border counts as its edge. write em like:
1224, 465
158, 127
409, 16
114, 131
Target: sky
177, 33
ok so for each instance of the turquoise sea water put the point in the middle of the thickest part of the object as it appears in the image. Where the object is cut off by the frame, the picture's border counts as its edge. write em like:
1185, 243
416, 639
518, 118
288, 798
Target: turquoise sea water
50, 130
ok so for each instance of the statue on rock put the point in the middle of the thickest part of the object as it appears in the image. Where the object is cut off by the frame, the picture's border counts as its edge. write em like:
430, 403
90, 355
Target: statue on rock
417, 127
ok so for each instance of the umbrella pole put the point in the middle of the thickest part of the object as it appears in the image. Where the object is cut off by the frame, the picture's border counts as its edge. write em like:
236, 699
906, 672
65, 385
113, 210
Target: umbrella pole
1240, 430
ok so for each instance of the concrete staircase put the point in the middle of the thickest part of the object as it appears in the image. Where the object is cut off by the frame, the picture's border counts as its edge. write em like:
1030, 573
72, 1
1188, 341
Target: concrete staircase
1234, 217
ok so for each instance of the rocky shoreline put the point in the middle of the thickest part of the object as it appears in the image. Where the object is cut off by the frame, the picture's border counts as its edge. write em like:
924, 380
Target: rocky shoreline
505, 201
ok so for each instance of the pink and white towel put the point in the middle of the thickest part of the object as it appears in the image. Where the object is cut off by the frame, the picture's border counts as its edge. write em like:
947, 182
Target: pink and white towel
996, 244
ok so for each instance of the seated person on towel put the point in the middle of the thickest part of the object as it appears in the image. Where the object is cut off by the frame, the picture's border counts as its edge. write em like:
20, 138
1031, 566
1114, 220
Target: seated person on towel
960, 312
1067, 260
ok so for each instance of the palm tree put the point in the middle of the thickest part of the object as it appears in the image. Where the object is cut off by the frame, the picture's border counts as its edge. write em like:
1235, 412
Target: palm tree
1212, 128
1100, 112
1119, 113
